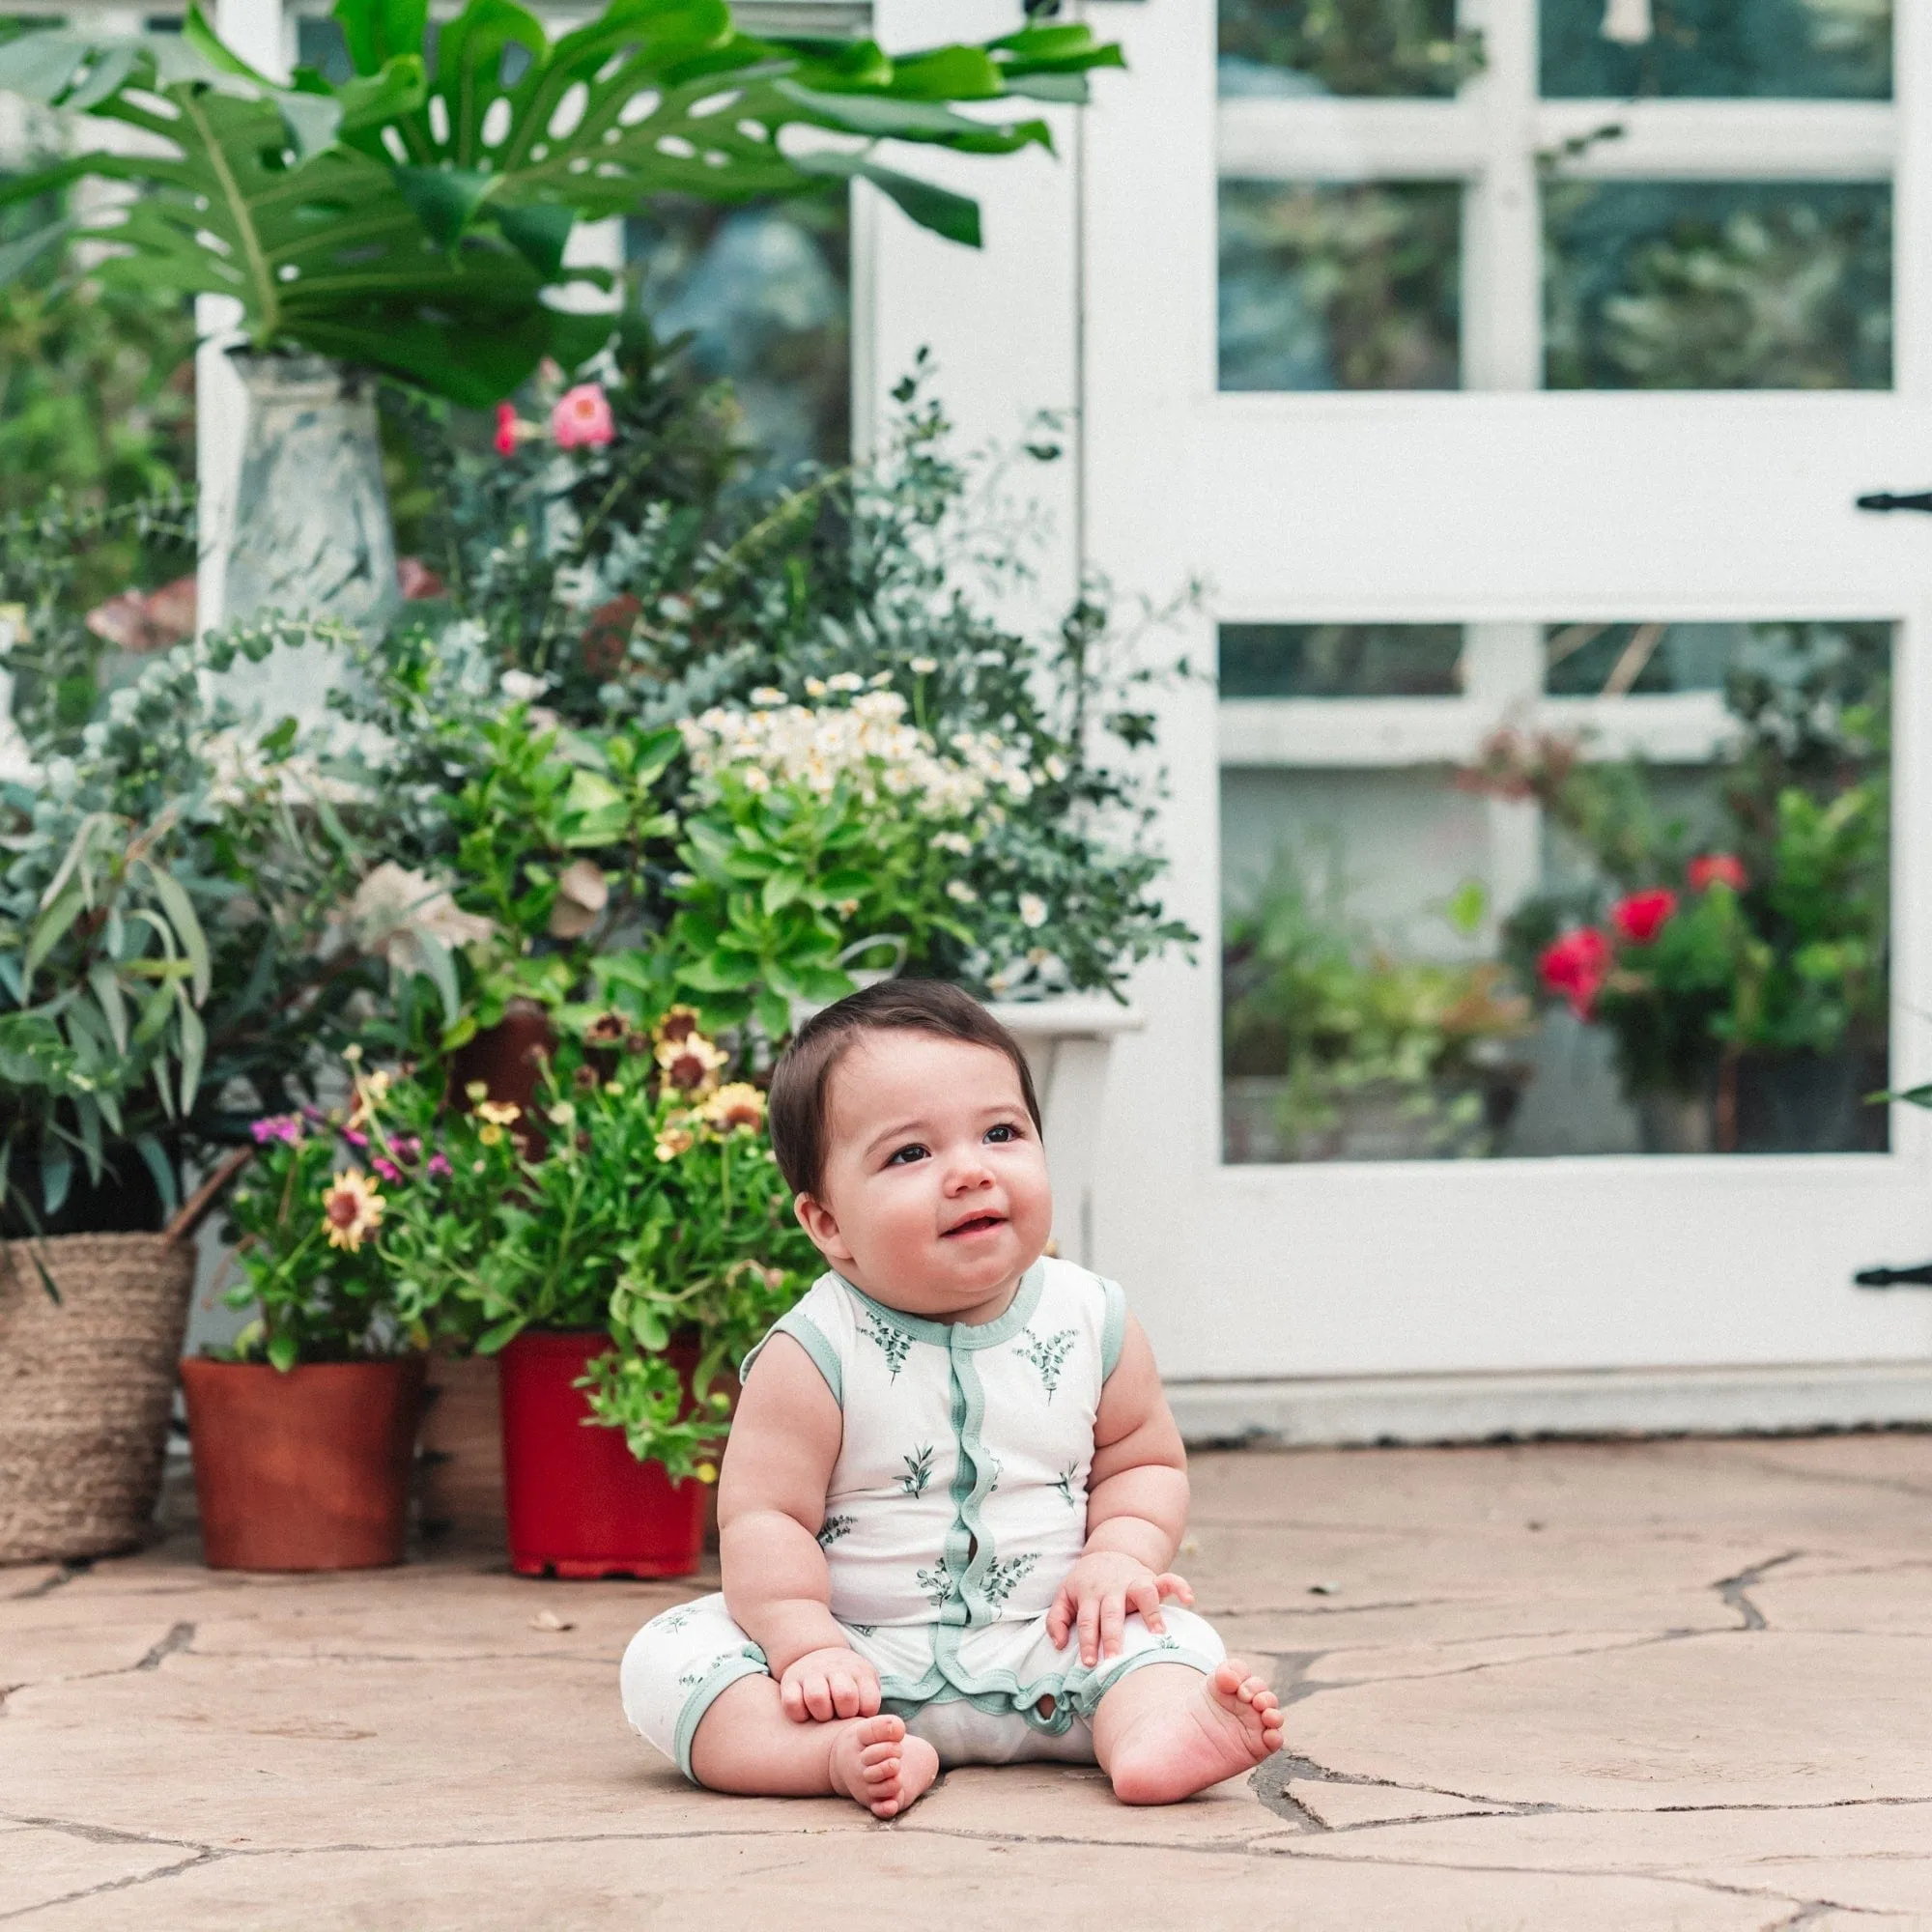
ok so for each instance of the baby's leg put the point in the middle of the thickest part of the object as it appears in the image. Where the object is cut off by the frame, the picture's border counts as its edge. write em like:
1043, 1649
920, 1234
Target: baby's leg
745, 1743
1165, 1731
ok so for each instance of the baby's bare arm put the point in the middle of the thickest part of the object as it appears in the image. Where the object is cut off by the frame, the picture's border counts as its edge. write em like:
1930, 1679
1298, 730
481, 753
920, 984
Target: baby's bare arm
771, 1506
1136, 1510
1137, 1489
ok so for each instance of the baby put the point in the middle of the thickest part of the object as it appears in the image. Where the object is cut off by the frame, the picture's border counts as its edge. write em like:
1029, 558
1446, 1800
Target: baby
953, 1488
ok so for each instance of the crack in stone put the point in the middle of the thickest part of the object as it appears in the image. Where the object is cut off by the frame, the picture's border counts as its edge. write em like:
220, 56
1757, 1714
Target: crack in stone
178, 1638
1733, 1589
1279, 1849
48, 1585
102, 1835
205, 1856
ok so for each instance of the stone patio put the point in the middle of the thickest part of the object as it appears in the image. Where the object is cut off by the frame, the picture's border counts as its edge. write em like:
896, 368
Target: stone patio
1554, 1687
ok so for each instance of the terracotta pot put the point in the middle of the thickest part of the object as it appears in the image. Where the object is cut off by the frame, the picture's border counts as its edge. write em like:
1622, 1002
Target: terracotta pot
307, 1471
578, 1503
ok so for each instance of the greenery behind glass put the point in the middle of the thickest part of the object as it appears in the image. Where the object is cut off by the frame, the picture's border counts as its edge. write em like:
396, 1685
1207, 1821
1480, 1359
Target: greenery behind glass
1341, 661
1340, 286
1361, 47
764, 294
1722, 49
1717, 285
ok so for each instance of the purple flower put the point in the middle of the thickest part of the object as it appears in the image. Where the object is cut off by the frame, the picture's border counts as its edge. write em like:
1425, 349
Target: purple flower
437, 1166
387, 1169
355, 1137
285, 1127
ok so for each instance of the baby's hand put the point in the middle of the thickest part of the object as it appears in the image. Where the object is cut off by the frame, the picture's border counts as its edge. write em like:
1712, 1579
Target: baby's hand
830, 1683
1099, 1591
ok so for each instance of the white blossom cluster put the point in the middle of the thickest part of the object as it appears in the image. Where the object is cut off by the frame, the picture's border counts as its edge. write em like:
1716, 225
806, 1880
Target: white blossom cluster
867, 743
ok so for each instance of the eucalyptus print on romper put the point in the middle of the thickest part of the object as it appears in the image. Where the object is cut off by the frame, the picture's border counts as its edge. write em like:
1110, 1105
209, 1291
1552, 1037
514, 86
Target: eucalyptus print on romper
835, 1527
918, 1470
1004, 1574
1049, 1355
893, 1341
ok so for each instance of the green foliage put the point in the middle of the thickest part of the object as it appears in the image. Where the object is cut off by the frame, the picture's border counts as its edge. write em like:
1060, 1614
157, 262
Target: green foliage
97, 411
164, 910
52, 558
413, 217
306, 1219
1357, 47
649, 1205
1308, 998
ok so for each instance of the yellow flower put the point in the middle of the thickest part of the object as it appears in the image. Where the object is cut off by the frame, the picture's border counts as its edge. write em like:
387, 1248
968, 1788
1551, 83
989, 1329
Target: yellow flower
499, 1113
738, 1105
707, 1472
489, 1134
352, 1207
674, 1140
562, 1114
690, 1065
477, 1090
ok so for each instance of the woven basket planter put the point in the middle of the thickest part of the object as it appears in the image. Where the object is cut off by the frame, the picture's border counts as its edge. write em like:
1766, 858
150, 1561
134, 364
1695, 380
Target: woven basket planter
85, 1388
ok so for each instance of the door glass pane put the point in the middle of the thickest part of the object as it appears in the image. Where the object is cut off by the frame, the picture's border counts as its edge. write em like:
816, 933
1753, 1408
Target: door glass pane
1717, 49
1341, 660
1331, 285
1360, 48
1562, 947
1718, 285
765, 294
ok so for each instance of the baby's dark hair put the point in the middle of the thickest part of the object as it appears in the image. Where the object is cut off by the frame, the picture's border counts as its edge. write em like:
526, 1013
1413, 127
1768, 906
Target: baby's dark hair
803, 1073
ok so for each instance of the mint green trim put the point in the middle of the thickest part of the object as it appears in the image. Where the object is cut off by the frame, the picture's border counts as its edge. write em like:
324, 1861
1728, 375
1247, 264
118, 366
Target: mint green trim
969, 1548
1085, 1700
956, 1335
726, 1671
1113, 1328
809, 1337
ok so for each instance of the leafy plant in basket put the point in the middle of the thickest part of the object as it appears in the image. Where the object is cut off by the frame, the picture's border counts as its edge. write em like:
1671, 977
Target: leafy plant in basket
414, 218
170, 925
646, 1204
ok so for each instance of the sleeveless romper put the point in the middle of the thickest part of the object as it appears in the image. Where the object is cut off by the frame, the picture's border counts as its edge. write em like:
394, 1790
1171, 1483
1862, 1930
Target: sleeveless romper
956, 1508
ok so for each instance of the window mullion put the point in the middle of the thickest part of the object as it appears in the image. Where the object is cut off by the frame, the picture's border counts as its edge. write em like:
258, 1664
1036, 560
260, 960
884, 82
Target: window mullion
1502, 300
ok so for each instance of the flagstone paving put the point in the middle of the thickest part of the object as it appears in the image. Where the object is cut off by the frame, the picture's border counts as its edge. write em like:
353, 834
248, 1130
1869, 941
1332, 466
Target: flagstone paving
1561, 1687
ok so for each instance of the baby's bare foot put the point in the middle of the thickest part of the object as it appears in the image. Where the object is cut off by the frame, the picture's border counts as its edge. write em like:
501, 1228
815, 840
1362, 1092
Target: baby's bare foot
876, 1762
1175, 1749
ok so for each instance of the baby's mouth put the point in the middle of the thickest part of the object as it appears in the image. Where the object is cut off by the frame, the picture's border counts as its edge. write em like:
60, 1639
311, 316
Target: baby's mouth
979, 1224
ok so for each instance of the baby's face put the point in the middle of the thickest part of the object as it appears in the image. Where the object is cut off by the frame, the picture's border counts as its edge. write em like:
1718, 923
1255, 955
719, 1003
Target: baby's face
934, 1198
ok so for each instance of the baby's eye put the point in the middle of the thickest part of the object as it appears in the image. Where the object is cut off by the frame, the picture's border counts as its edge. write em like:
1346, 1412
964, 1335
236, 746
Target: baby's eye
904, 1156
1005, 1131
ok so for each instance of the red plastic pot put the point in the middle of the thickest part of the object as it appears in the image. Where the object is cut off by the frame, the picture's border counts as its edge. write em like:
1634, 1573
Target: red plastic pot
303, 1471
578, 1503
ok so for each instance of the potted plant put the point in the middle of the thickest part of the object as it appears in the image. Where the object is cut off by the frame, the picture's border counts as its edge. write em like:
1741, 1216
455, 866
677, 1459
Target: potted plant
170, 881
415, 220
1738, 954
619, 1271
1335, 1050
304, 1430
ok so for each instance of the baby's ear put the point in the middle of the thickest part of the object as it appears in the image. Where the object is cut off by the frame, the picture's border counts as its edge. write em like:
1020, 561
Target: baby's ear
821, 1225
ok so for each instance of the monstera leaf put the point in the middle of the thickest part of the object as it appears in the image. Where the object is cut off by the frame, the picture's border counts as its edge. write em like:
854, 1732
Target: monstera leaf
415, 220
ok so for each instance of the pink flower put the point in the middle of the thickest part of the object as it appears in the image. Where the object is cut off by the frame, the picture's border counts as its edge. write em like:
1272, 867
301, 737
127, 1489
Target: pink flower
437, 1166
387, 1169
581, 418
1716, 868
1576, 965
507, 429
276, 1127
1643, 915
355, 1137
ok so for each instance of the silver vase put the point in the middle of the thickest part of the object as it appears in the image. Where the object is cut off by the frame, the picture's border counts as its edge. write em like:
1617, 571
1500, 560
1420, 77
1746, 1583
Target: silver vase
312, 533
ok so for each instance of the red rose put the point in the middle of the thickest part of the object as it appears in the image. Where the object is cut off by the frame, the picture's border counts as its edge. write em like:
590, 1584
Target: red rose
507, 429
1716, 868
1641, 917
1576, 965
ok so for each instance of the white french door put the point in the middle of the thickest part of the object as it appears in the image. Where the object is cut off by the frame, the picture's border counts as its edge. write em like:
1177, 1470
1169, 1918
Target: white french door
1522, 522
